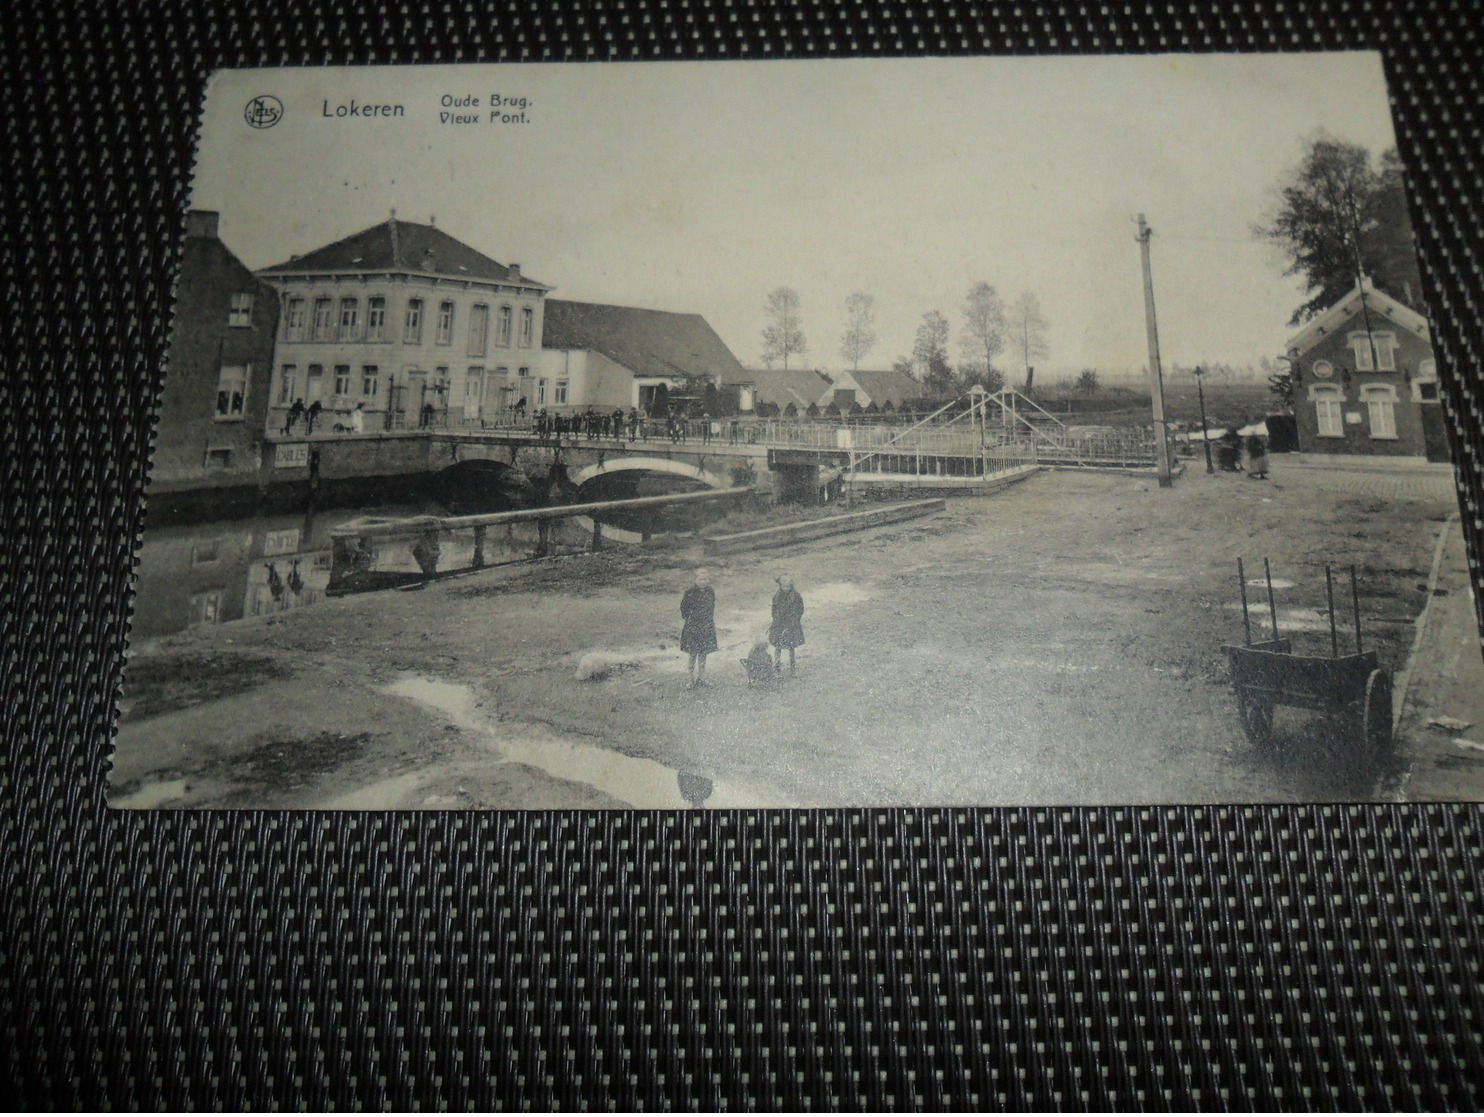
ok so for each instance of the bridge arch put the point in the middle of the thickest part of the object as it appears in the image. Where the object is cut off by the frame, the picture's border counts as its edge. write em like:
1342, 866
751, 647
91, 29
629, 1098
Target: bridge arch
629, 463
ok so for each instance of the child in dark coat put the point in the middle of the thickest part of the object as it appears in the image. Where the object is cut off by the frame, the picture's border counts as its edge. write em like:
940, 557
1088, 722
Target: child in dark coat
698, 636
787, 630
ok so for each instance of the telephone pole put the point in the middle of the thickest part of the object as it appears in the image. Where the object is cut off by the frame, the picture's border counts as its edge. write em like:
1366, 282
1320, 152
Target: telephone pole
1156, 374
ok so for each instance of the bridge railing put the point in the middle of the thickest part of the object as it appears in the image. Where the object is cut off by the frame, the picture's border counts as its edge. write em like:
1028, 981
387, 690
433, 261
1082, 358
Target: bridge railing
379, 553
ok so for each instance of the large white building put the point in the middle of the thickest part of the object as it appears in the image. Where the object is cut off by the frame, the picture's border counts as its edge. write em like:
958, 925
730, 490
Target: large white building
407, 324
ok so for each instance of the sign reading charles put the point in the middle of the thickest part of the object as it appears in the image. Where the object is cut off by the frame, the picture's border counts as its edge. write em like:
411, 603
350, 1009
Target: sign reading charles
826, 434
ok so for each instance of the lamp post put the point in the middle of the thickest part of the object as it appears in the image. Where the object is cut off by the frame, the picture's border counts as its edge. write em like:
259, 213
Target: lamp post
1200, 389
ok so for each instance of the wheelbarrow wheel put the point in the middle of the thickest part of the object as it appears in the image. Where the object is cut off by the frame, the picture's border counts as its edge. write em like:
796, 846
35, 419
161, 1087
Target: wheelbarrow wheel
1375, 716
1256, 713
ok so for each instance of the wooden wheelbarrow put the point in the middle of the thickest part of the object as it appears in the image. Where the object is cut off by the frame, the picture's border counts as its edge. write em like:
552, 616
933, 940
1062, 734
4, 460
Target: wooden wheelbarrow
1352, 688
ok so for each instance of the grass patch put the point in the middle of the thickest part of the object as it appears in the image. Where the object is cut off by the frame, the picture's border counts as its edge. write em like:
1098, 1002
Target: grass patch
163, 685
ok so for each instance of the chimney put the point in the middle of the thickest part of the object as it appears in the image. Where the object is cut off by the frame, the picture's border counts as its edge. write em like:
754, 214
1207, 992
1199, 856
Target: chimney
201, 224
512, 271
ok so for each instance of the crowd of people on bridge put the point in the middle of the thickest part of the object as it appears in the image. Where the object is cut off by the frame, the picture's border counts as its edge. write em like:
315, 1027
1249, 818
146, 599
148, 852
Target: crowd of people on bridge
635, 425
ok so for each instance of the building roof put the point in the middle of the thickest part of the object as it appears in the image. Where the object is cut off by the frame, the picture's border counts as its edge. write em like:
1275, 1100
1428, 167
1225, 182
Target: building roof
783, 386
397, 246
1346, 315
657, 343
881, 385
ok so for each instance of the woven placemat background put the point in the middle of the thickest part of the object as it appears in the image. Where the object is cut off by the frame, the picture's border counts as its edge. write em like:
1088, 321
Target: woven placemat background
1227, 956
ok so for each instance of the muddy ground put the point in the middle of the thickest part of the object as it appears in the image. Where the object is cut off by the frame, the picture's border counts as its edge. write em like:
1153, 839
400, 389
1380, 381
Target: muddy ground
1056, 643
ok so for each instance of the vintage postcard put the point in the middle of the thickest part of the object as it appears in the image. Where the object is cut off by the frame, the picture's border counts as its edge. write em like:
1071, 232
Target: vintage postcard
801, 434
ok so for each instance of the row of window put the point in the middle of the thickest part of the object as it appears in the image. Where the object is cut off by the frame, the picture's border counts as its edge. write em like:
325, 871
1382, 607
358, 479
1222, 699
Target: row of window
348, 325
1380, 402
291, 388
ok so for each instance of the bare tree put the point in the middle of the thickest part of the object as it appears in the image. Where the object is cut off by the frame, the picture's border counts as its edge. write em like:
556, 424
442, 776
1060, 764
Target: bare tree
784, 334
1028, 328
860, 336
983, 334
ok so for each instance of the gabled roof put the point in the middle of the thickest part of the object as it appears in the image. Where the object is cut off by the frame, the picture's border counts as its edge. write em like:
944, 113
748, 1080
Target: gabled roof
784, 386
1346, 315
881, 385
402, 246
646, 342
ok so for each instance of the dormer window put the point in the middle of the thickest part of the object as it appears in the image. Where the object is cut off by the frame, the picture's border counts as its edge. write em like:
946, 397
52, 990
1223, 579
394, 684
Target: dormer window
1368, 345
240, 313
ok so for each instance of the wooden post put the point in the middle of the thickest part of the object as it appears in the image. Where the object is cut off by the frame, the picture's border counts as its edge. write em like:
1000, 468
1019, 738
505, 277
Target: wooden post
543, 538
479, 546
597, 536
1156, 374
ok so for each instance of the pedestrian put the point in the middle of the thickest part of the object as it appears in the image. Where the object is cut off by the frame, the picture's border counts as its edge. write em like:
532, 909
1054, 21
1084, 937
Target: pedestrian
698, 635
1257, 457
295, 413
787, 630
633, 424
1229, 451
705, 428
358, 419
312, 415
732, 438
427, 415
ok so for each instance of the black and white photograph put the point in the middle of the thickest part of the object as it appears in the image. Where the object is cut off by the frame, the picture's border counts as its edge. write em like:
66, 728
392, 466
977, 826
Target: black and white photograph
801, 434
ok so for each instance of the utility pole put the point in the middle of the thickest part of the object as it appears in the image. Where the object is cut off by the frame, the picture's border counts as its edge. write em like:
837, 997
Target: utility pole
1156, 374
1205, 435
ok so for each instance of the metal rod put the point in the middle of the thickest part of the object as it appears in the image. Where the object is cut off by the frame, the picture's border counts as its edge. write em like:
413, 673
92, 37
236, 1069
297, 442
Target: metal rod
1246, 621
1329, 592
1355, 597
1272, 605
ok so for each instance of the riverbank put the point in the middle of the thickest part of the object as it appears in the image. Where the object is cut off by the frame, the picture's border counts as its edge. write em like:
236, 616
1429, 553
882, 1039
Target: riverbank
1057, 643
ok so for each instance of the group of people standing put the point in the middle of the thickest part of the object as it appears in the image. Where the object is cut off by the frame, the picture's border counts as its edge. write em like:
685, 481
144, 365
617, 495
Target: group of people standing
298, 411
698, 634
1229, 448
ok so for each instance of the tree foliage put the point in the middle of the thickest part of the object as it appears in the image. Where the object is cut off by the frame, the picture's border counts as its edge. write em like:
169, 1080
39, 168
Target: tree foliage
1087, 382
1339, 213
983, 336
860, 333
930, 355
783, 336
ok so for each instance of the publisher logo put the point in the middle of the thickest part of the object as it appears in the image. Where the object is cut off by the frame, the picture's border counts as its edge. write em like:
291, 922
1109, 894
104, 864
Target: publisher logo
263, 112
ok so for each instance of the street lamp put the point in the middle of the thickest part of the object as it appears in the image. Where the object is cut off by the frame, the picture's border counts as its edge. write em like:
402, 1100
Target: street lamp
1205, 438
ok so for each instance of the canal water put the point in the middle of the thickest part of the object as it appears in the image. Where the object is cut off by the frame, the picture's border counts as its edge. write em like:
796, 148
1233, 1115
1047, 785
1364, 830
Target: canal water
218, 570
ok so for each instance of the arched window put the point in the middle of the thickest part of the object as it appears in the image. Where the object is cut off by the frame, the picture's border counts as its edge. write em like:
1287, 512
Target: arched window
1328, 403
1425, 383
1380, 401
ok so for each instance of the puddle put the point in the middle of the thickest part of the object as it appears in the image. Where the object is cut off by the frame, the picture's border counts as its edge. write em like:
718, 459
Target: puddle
1290, 620
152, 795
642, 784
1278, 583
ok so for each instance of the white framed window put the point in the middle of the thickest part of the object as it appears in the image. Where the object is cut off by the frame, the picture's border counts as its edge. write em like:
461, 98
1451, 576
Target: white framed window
1380, 401
342, 380
1425, 383
204, 552
1329, 404
479, 329
240, 312
288, 383
445, 322
370, 380
541, 392
412, 331
350, 319
1323, 370
376, 318
502, 331
1381, 346
293, 320
527, 326
231, 391
559, 395
324, 318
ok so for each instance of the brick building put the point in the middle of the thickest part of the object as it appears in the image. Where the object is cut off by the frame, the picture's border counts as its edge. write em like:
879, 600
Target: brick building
1366, 382
398, 317
218, 370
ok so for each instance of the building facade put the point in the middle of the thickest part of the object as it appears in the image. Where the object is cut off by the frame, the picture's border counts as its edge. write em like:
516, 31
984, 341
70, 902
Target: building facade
1365, 381
616, 357
402, 326
219, 368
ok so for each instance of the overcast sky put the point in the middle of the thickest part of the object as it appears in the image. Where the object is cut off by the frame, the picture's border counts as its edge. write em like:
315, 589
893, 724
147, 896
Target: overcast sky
702, 186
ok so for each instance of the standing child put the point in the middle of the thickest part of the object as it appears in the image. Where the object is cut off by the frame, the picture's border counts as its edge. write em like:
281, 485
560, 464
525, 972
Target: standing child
787, 631
698, 636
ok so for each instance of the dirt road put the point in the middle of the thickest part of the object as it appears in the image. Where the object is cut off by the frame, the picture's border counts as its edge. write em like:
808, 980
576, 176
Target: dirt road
1056, 643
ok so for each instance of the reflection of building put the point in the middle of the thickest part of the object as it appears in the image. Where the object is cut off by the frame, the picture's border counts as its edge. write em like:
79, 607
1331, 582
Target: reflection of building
407, 323
221, 358
618, 356
1365, 381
